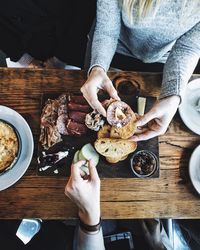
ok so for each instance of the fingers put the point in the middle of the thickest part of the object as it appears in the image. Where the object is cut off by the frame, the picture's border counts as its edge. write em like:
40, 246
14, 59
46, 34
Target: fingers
141, 130
90, 94
96, 105
145, 119
93, 172
76, 171
145, 136
111, 90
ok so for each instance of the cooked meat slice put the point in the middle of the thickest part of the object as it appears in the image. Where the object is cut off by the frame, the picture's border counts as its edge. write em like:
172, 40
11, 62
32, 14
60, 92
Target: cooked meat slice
77, 116
79, 107
62, 122
63, 99
62, 109
76, 129
50, 113
78, 99
49, 135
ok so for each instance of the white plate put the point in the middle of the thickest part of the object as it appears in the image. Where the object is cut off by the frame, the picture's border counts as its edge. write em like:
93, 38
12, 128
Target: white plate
194, 169
14, 174
187, 109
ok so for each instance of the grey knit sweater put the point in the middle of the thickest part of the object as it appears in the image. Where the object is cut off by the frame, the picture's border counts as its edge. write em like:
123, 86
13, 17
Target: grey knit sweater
171, 36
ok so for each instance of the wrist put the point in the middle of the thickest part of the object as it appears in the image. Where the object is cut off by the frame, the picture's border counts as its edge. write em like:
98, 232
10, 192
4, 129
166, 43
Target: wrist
91, 229
89, 219
97, 69
173, 100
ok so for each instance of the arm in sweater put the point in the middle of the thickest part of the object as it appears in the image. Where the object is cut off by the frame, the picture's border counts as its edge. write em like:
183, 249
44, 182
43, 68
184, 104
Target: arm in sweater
181, 63
88, 241
106, 33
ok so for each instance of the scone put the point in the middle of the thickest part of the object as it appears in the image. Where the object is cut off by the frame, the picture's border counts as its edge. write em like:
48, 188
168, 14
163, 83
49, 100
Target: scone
9, 145
125, 132
122, 119
104, 132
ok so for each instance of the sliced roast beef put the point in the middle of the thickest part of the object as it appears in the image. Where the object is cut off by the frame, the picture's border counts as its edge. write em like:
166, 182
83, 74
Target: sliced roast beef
62, 122
78, 99
49, 135
62, 109
63, 99
77, 116
79, 107
76, 129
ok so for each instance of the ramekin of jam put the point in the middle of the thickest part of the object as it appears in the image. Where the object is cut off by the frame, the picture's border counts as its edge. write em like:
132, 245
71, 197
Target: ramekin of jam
143, 163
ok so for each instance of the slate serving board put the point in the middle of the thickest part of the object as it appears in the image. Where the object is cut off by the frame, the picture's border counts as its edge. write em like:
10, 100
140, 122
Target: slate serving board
106, 170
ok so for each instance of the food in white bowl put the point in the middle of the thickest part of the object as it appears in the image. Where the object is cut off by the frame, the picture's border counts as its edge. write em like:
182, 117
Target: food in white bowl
9, 146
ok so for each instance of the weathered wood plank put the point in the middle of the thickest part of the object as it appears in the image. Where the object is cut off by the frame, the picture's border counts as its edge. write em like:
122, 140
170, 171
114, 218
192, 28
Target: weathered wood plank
172, 195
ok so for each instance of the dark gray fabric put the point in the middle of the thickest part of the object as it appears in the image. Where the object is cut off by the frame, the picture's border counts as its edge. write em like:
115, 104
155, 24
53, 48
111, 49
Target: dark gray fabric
2, 59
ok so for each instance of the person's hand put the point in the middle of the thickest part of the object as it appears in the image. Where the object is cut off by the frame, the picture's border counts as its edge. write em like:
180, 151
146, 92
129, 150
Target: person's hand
97, 80
85, 193
157, 120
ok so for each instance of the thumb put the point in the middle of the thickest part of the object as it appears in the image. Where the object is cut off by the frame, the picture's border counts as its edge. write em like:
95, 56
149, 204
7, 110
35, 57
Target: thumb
145, 119
112, 91
75, 170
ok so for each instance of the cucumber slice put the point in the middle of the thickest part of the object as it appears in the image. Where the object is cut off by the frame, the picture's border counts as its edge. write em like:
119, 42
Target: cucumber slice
76, 156
88, 152
85, 169
81, 157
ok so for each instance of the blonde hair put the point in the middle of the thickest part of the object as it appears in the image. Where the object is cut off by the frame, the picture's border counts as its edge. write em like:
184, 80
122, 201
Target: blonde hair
145, 6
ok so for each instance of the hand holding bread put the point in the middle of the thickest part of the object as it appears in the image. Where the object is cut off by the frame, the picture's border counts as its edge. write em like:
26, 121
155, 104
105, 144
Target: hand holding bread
112, 140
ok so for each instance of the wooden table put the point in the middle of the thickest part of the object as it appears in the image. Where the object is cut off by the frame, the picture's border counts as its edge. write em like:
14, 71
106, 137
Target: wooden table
170, 196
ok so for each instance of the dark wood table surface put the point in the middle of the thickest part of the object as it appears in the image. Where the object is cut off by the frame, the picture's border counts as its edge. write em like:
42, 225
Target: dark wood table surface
170, 196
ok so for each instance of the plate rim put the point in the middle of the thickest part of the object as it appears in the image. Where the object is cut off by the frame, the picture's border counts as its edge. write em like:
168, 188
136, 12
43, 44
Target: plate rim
190, 168
181, 110
31, 145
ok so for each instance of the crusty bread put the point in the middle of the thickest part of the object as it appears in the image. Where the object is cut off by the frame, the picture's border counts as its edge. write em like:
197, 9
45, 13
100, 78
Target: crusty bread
110, 147
125, 132
116, 159
104, 132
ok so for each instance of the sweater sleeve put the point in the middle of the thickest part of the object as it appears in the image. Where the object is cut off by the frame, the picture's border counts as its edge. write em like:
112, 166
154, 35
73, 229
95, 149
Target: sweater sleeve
181, 63
106, 33
87, 241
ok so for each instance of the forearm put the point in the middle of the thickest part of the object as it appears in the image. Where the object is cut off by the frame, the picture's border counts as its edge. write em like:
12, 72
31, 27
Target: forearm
177, 72
89, 241
181, 63
106, 33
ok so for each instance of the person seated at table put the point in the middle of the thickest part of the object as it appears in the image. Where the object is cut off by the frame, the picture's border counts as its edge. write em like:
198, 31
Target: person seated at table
86, 195
45, 33
159, 31
89, 236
